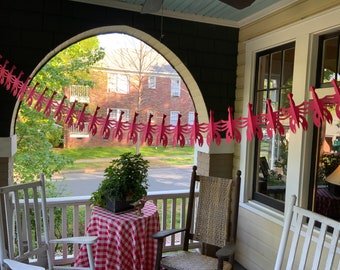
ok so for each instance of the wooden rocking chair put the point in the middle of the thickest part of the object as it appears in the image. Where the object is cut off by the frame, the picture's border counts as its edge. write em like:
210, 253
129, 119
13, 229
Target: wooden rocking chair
215, 224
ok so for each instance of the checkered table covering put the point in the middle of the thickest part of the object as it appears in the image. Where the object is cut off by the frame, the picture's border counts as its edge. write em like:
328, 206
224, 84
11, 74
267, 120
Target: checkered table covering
124, 240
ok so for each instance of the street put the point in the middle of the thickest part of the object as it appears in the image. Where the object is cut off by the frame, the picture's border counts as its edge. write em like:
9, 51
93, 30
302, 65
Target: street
160, 179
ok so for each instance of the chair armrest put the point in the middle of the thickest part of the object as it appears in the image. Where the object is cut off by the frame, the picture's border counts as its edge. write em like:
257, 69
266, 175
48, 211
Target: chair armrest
14, 265
165, 233
227, 251
75, 240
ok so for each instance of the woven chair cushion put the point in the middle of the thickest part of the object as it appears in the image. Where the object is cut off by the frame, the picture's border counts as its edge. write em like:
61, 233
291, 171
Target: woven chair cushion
213, 212
185, 260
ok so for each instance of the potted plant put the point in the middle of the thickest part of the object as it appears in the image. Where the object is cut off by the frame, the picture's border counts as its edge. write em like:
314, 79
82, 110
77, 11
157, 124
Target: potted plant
125, 181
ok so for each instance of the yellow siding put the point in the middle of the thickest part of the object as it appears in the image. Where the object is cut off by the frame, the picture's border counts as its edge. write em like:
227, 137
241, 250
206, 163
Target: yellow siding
257, 241
258, 238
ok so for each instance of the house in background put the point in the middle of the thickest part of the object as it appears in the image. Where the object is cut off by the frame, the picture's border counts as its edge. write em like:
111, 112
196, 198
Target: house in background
145, 84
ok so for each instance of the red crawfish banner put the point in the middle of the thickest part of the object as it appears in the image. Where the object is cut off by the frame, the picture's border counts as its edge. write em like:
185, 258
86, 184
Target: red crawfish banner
158, 134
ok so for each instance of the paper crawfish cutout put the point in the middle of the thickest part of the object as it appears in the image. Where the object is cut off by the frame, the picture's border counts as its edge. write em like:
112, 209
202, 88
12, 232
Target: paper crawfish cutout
254, 124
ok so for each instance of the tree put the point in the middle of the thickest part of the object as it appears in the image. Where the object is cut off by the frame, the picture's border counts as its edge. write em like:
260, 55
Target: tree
136, 58
36, 134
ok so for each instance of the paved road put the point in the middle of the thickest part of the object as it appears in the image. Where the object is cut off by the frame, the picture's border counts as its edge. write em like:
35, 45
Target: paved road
160, 179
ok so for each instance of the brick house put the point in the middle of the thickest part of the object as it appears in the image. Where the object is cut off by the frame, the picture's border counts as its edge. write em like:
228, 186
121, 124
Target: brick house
117, 89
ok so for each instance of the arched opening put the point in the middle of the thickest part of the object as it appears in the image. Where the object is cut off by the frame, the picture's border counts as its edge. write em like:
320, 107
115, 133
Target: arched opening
152, 42
158, 46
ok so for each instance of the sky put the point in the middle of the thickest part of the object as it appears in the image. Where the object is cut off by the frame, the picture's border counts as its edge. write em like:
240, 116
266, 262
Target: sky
116, 40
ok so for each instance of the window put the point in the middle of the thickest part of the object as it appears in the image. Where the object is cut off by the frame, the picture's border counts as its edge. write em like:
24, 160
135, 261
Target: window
274, 73
329, 67
76, 133
173, 117
81, 93
152, 80
175, 87
326, 144
191, 118
116, 112
117, 83
148, 113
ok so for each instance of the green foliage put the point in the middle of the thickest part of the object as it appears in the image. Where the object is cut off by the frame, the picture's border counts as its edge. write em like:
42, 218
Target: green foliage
36, 134
71, 66
34, 155
125, 177
329, 162
115, 151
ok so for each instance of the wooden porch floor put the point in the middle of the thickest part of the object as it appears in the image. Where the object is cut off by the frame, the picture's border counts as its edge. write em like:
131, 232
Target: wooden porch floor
237, 266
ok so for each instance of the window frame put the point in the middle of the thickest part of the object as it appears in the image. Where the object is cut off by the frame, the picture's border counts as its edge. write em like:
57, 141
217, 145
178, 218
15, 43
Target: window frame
191, 118
114, 83
171, 120
115, 116
152, 82
258, 196
319, 71
175, 87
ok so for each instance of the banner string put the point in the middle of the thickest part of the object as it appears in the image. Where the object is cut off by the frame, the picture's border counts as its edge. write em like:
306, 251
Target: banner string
272, 121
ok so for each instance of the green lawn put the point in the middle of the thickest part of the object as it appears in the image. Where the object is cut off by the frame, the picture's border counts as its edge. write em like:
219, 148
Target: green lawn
166, 156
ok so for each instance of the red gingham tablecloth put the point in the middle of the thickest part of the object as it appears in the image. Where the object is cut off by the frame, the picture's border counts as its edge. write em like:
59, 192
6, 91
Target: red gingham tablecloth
124, 240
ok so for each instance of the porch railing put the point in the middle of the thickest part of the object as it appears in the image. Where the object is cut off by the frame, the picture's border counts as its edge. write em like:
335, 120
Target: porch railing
73, 213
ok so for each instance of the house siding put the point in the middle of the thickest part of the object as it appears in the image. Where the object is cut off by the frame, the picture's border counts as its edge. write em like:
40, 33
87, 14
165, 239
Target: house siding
259, 228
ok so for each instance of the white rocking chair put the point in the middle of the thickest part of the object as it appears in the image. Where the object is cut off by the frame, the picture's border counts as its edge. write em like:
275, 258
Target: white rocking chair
24, 230
309, 241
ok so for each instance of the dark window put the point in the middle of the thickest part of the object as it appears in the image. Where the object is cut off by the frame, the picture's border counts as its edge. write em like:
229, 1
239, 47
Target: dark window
274, 75
325, 181
328, 66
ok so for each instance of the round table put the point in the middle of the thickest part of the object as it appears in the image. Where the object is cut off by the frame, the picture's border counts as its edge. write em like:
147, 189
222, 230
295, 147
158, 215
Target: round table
124, 240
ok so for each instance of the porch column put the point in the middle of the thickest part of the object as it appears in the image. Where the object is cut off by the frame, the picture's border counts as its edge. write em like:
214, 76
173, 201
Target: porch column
215, 160
8, 147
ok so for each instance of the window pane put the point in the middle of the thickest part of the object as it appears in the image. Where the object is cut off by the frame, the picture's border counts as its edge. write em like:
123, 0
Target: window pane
288, 65
329, 59
175, 87
272, 169
261, 98
275, 70
262, 74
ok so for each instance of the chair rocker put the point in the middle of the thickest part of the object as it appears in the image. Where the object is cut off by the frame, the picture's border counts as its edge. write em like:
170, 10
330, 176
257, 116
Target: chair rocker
24, 229
215, 224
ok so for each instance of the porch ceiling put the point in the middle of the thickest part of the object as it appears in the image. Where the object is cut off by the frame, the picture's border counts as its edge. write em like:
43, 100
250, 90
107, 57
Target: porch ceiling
212, 11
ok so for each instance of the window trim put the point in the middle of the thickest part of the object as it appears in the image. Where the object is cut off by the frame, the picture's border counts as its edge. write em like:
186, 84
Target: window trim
126, 115
170, 118
257, 196
152, 82
175, 92
116, 88
322, 38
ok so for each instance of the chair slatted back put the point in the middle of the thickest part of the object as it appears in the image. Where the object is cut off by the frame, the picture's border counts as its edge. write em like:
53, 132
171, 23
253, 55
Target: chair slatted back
309, 240
215, 220
23, 213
